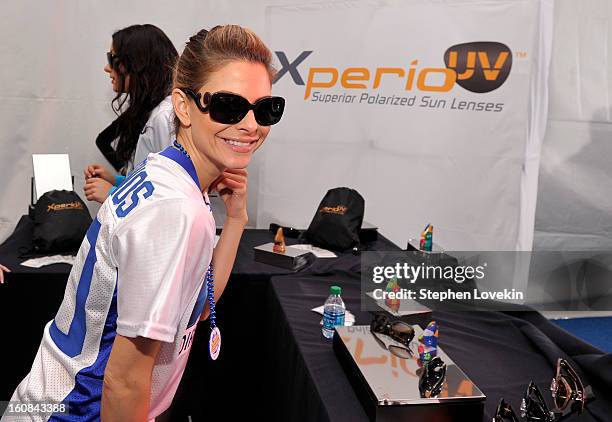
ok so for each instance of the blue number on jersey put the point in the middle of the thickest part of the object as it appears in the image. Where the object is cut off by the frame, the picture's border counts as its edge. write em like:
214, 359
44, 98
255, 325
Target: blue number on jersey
134, 185
72, 342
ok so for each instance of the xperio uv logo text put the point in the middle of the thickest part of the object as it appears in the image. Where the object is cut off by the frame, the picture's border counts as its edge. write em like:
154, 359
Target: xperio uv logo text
477, 67
480, 66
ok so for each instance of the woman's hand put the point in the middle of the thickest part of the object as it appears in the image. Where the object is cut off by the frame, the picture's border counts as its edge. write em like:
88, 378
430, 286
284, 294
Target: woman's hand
98, 170
96, 189
232, 188
2, 270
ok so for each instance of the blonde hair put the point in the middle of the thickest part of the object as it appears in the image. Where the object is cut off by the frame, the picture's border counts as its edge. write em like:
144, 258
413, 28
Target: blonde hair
208, 51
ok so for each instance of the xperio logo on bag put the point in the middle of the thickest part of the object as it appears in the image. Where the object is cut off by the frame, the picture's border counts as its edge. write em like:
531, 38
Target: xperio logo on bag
338, 209
76, 205
480, 66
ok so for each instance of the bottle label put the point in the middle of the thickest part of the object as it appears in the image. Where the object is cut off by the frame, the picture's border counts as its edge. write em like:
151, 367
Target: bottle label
332, 319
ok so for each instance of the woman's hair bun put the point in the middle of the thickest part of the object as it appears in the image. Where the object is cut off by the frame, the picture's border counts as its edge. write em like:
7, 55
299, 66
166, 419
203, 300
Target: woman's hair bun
199, 37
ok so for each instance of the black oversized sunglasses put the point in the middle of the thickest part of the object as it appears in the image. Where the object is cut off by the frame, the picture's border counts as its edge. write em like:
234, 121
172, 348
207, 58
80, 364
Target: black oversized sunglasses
228, 108
111, 59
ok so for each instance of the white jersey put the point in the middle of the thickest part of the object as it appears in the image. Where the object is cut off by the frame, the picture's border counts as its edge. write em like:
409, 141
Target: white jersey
140, 271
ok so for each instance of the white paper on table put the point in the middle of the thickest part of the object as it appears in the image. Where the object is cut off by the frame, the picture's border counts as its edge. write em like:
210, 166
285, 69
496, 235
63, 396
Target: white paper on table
48, 260
51, 172
349, 318
318, 252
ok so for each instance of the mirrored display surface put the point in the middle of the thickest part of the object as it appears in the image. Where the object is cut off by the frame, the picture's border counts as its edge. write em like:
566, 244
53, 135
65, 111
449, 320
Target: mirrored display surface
394, 379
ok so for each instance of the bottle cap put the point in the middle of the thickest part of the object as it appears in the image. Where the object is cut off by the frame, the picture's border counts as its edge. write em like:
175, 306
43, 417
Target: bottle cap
335, 290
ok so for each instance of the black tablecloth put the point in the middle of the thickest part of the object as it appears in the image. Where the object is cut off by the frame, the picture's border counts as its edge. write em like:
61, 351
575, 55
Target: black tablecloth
500, 352
235, 380
275, 363
29, 298
18, 243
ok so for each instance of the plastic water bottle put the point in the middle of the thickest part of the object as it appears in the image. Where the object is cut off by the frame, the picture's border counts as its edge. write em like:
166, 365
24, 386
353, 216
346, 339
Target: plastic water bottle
333, 311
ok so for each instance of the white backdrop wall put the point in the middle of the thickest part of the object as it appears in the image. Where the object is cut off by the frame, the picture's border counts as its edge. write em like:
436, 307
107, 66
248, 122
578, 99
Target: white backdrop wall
574, 202
462, 170
55, 98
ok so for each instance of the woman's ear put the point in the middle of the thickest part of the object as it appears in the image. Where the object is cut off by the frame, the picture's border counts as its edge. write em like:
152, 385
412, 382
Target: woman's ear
181, 106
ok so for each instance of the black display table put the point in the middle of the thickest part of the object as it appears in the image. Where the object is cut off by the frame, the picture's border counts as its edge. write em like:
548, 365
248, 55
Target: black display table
235, 381
275, 364
15, 245
30, 297
500, 352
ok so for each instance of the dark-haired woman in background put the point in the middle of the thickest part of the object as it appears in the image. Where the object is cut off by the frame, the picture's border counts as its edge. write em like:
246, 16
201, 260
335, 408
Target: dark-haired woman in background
139, 63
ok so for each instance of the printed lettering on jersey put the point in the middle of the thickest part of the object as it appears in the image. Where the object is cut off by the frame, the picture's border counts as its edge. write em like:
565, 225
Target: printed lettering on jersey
187, 339
134, 188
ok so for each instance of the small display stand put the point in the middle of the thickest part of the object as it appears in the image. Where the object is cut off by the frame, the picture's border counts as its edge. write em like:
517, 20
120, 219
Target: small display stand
292, 259
388, 386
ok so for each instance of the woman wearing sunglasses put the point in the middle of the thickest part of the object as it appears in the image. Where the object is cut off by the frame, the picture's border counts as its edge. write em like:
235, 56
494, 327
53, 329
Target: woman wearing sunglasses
148, 269
139, 64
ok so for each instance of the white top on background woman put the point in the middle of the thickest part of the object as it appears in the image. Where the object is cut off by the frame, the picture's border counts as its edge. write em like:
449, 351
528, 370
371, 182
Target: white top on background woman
157, 133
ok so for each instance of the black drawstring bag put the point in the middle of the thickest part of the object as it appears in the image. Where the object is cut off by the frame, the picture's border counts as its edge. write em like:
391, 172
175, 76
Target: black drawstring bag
338, 220
61, 220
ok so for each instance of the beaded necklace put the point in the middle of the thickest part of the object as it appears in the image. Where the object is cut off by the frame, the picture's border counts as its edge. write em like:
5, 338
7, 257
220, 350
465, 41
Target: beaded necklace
215, 335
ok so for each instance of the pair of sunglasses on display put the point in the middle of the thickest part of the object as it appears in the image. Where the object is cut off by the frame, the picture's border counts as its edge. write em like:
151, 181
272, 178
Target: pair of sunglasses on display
228, 108
504, 412
567, 389
568, 393
533, 408
432, 378
399, 331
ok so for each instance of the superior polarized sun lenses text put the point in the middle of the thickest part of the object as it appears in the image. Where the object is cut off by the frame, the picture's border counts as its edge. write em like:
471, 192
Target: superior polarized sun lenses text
415, 101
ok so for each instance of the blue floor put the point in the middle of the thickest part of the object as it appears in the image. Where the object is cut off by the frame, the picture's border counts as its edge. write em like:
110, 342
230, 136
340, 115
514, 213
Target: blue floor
597, 331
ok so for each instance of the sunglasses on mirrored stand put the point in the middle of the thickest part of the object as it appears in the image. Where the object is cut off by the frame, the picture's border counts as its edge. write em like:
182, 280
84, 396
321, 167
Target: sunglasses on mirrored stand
397, 330
433, 377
